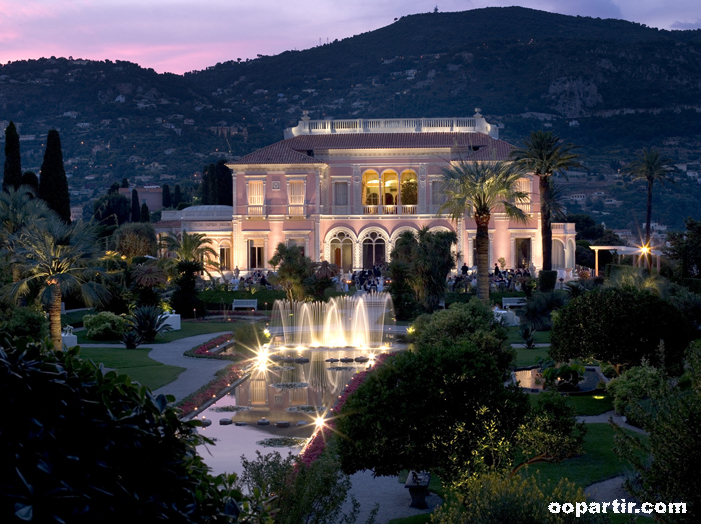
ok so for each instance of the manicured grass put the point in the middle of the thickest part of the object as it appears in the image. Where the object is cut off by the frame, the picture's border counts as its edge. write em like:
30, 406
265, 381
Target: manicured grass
75, 318
585, 405
597, 463
540, 337
135, 363
528, 357
188, 329
592, 404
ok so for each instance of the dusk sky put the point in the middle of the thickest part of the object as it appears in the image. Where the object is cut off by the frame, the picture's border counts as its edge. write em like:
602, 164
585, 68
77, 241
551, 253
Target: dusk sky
184, 35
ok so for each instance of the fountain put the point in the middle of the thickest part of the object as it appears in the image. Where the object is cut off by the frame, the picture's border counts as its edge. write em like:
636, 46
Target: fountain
357, 322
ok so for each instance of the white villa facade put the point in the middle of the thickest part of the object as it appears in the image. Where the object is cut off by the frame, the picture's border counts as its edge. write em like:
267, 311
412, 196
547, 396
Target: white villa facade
344, 190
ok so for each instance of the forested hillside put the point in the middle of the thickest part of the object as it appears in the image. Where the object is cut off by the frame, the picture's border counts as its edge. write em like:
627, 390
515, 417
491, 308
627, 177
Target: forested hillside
610, 85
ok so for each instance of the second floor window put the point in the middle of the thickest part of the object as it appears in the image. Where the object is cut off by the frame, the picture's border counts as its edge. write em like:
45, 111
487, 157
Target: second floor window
296, 193
255, 193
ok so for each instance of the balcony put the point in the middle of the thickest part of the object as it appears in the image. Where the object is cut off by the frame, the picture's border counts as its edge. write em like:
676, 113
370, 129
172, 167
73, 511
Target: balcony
371, 210
563, 228
296, 210
408, 210
385, 210
255, 210
389, 210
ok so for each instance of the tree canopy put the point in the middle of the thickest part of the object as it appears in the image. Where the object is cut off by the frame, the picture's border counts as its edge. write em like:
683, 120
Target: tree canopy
621, 326
13, 160
543, 154
53, 185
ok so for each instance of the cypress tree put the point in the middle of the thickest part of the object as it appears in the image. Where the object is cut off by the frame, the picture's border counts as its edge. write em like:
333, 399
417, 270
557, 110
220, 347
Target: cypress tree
209, 185
225, 185
125, 183
30, 179
177, 196
145, 215
135, 208
13, 161
167, 199
53, 185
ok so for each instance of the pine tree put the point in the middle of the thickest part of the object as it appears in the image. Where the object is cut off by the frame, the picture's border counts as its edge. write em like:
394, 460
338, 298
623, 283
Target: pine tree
30, 179
177, 196
135, 208
225, 185
53, 185
13, 161
167, 199
145, 214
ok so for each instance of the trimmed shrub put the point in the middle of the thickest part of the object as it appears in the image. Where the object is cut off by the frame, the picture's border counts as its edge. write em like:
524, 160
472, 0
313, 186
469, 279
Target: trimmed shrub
635, 385
547, 281
104, 326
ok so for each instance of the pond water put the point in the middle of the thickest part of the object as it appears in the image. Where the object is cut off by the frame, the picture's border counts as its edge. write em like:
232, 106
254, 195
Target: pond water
279, 391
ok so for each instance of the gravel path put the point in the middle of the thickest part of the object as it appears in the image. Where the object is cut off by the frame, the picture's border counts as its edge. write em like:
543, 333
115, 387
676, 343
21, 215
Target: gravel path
393, 497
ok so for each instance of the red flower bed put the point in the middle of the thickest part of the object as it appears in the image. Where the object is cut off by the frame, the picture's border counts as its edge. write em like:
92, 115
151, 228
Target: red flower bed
194, 401
317, 444
207, 346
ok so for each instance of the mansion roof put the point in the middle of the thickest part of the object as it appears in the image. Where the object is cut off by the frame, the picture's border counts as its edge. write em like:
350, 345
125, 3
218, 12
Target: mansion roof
471, 146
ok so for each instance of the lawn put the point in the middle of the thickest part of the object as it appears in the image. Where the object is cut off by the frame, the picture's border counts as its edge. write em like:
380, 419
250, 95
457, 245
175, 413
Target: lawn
586, 405
514, 332
528, 357
597, 463
135, 363
188, 329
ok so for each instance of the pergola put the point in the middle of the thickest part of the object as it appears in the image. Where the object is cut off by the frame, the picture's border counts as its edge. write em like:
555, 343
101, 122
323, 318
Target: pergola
625, 250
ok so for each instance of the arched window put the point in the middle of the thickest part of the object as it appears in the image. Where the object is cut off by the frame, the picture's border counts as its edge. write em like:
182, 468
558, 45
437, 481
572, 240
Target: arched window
341, 251
390, 190
371, 192
373, 250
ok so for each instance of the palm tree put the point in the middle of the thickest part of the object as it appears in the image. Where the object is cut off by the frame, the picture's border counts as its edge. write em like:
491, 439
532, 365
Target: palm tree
650, 168
544, 154
59, 259
193, 247
483, 188
20, 208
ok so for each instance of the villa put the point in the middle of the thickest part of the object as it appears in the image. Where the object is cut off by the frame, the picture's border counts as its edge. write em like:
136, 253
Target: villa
344, 190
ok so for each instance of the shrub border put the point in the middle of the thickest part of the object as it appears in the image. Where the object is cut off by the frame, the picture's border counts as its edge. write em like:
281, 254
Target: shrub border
318, 441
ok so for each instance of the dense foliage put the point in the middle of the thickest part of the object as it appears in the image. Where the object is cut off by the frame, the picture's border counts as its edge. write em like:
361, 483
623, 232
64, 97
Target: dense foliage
135, 240
420, 263
184, 299
81, 445
426, 410
620, 326
667, 464
104, 326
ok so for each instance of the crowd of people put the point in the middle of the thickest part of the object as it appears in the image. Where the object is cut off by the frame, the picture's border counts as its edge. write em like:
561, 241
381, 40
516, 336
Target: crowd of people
500, 280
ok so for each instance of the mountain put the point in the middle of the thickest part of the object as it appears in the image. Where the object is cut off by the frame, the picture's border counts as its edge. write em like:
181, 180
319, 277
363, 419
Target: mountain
610, 85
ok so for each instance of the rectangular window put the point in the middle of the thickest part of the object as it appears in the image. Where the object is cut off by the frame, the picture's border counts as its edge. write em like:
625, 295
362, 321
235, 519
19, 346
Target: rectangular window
340, 193
255, 193
296, 193
255, 254
523, 185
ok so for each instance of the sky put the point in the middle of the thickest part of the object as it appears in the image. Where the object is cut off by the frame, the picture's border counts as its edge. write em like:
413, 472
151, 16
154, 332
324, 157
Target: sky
184, 35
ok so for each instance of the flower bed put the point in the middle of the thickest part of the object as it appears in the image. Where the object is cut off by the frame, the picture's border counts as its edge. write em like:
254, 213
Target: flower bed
226, 377
317, 443
205, 350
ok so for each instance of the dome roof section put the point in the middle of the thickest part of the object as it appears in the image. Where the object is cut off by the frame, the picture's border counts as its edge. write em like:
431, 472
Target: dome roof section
207, 213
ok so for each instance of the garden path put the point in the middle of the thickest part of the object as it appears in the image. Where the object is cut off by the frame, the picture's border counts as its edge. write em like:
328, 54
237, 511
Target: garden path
198, 371
604, 418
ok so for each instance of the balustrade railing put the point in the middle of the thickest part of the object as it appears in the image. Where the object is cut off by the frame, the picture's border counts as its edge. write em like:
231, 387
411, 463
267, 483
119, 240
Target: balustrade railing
409, 210
296, 210
256, 210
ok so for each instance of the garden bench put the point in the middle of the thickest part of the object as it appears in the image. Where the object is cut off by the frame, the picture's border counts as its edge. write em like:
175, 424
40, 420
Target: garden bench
417, 484
252, 303
513, 302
